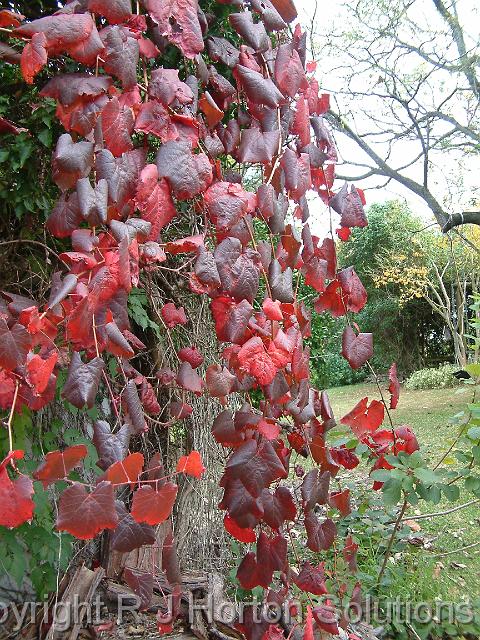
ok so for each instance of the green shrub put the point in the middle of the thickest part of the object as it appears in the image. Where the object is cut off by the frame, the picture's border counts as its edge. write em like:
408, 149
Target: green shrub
439, 378
332, 370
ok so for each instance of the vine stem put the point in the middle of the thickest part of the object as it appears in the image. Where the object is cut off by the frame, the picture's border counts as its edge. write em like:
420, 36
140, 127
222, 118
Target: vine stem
391, 541
10, 419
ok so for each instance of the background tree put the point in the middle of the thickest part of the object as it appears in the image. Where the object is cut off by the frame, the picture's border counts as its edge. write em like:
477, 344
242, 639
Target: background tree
408, 97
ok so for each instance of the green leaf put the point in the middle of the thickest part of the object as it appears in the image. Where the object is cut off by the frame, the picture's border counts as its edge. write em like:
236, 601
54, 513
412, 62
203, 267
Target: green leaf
473, 370
392, 492
451, 492
474, 433
45, 137
427, 476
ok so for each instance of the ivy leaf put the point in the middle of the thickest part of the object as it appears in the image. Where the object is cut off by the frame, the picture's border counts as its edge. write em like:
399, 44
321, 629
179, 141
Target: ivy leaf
58, 464
83, 514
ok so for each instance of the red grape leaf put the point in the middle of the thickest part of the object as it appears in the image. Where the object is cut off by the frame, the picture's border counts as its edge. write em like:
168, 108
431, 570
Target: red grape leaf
256, 464
312, 579
121, 54
257, 88
363, 418
278, 507
315, 488
61, 31
34, 57
220, 382
82, 381
289, 73
166, 87
188, 174
192, 465
325, 618
350, 554
348, 204
258, 146
252, 32
130, 535
271, 18
191, 244
122, 174
238, 270
357, 349
231, 319
16, 504
341, 501
191, 355
255, 360
125, 471
178, 21
189, 379
394, 386
136, 418
83, 514
353, 292
58, 464
153, 507
71, 161
227, 203
117, 125
111, 447
242, 535
115, 11
10, 18
173, 316
14, 345
320, 536
141, 584
154, 201
65, 217
154, 118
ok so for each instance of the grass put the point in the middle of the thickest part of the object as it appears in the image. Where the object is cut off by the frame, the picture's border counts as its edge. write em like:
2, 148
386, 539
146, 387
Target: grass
453, 576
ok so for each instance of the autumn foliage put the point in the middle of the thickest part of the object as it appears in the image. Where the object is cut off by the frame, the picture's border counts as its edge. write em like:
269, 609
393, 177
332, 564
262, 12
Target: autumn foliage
142, 141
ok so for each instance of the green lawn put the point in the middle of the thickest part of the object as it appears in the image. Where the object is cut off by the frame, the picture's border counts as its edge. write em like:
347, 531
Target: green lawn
428, 412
